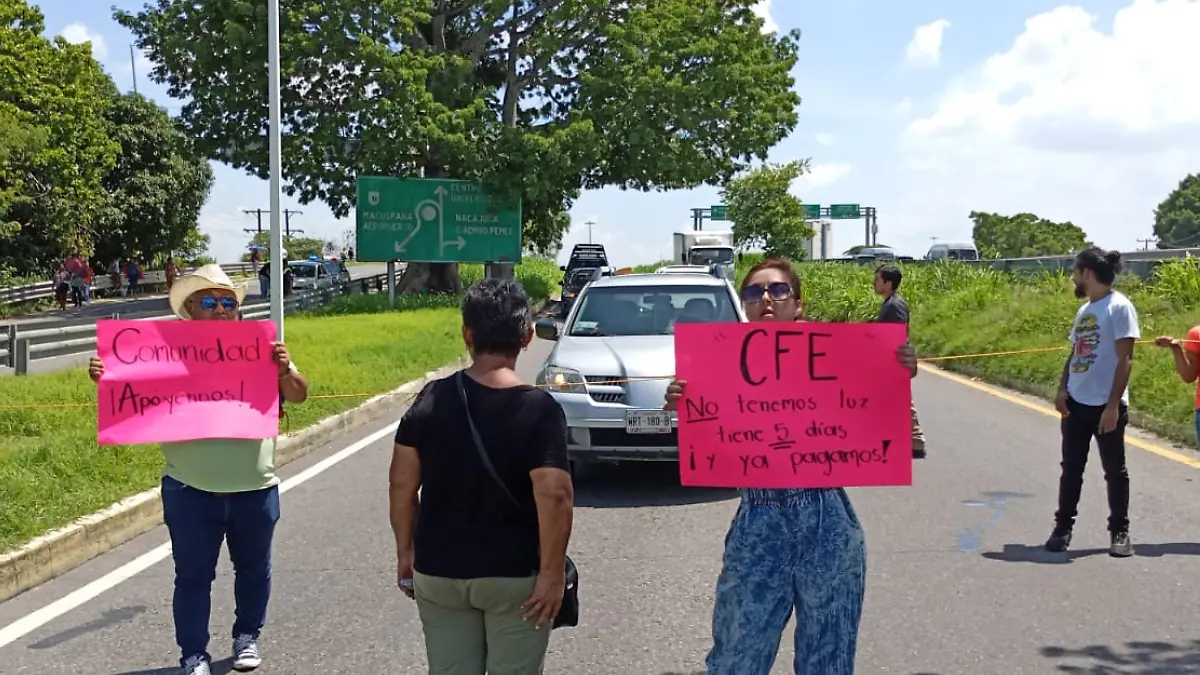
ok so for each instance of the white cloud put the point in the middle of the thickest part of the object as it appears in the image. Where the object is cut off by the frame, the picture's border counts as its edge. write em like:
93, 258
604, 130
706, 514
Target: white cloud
1071, 122
925, 48
824, 175
78, 33
763, 10
904, 106
825, 140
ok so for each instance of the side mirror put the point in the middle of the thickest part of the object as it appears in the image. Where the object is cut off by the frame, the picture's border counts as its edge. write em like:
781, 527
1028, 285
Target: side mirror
546, 329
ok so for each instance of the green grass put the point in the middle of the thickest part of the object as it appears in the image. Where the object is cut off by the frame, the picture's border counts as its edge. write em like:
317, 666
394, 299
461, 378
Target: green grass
960, 309
52, 471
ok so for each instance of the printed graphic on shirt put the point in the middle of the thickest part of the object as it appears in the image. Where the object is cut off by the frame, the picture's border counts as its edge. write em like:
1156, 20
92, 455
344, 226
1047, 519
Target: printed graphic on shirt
1087, 337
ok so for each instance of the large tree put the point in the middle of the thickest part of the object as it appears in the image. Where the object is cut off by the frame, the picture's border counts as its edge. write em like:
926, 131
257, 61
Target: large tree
1177, 218
156, 188
539, 99
764, 211
54, 146
1024, 235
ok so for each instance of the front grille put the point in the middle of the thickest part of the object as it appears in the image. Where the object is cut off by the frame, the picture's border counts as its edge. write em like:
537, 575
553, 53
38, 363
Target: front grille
618, 438
607, 381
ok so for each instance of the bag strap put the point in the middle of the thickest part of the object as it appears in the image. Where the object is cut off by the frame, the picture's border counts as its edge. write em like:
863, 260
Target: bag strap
482, 451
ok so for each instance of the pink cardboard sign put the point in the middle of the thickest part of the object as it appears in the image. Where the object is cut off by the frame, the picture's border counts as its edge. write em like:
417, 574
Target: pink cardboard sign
184, 380
793, 405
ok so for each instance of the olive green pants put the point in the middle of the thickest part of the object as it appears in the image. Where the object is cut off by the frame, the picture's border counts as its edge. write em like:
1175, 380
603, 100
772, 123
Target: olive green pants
477, 626
918, 436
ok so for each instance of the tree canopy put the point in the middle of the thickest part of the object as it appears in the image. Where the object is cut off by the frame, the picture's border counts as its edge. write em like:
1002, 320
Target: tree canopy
537, 99
83, 167
1024, 236
1177, 218
765, 213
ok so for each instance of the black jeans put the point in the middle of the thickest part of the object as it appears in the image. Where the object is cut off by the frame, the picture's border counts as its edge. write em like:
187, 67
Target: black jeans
1078, 429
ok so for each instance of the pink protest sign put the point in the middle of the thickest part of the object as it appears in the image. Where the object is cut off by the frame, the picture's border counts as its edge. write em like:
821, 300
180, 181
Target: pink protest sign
184, 380
793, 405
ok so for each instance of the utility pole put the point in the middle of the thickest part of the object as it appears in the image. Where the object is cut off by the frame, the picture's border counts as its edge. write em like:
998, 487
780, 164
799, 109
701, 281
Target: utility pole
1146, 242
287, 221
589, 224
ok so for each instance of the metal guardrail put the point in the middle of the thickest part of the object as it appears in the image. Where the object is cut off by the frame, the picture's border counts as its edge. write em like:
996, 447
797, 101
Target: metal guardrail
19, 346
102, 282
1140, 263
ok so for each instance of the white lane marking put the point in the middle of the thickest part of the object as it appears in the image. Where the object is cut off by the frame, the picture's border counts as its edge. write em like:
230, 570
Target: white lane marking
40, 617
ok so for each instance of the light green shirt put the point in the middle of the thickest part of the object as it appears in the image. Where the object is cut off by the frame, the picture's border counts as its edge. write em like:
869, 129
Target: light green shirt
223, 464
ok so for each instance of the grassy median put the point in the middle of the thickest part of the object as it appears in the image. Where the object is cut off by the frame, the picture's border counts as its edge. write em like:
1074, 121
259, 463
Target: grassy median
52, 471
958, 309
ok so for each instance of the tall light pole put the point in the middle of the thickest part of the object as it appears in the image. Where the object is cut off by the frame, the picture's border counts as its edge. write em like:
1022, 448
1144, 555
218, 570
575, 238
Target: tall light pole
274, 142
589, 224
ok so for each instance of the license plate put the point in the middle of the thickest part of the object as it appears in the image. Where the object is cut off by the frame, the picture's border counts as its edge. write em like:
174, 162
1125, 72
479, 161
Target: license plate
647, 422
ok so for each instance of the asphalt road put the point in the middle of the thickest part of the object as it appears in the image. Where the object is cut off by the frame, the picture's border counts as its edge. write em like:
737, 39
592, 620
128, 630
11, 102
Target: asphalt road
957, 582
104, 308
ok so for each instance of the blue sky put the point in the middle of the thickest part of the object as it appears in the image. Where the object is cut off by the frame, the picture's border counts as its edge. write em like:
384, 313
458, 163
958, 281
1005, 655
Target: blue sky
926, 110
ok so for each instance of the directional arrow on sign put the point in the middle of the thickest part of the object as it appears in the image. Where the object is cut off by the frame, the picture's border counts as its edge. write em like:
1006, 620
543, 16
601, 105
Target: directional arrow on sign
460, 242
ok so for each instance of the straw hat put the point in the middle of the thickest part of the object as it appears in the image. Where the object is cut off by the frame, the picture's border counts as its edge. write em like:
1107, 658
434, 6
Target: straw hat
204, 278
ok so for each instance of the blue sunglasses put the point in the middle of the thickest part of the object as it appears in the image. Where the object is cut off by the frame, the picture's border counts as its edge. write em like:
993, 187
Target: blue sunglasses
209, 303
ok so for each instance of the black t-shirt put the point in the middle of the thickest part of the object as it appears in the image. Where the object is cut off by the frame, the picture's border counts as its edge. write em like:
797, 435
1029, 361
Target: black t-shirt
467, 528
894, 310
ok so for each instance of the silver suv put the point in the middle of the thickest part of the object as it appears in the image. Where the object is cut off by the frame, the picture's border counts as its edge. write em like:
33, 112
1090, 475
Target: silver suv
615, 355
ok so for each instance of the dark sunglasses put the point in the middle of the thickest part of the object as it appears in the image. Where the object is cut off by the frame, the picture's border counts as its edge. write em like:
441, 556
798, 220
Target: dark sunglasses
209, 303
777, 291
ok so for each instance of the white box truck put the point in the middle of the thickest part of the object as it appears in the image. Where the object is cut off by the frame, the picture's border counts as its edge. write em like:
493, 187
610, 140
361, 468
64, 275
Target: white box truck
706, 247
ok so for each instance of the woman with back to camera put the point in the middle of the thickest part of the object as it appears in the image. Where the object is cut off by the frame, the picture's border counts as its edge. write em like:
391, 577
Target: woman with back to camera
483, 547
800, 549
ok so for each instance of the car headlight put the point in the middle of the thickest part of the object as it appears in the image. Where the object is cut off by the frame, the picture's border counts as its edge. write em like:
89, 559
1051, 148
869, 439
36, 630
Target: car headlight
562, 380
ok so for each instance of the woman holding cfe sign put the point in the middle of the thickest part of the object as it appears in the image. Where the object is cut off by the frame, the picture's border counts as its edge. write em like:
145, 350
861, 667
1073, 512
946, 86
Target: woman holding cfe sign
799, 549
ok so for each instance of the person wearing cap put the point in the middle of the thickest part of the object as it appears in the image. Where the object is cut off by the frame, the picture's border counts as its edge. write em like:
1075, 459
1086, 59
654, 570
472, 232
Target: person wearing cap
218, 490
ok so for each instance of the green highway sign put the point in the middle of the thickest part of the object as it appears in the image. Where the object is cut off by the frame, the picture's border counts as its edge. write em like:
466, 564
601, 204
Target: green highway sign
845, 211
812, 211
434, 220
717, 212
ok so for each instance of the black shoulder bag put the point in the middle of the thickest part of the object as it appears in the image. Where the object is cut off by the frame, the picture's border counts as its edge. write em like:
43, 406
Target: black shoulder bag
568, 614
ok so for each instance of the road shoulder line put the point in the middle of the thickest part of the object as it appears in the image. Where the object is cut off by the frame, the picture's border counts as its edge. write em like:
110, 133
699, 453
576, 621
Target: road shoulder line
1049, 411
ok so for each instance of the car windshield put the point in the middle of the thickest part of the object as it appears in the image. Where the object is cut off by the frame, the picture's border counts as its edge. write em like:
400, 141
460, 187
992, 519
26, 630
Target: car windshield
708, 256
304, 270
650, 310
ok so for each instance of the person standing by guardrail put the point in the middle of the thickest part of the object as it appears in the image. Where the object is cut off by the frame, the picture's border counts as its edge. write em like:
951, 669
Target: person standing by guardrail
133, 276
220, 490
171, 271
1093, 398
895, 310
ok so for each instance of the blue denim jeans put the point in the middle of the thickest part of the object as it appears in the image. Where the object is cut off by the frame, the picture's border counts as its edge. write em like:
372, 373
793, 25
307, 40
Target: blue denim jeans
790, 550
1198, 427
198, 522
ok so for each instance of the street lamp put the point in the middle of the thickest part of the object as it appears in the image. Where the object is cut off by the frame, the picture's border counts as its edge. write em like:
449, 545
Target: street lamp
275, 160
589, 224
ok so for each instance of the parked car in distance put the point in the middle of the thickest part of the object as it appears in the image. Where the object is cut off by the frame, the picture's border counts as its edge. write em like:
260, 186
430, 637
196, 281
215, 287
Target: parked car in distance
620, 331
310, 275
573, 286
337, 270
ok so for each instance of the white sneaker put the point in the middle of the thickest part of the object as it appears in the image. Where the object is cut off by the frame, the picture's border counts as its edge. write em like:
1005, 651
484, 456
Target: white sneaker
195, 665
245, 654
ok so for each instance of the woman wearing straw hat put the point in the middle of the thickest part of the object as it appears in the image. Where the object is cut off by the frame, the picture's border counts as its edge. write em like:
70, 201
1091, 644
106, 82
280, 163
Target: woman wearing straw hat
220, 489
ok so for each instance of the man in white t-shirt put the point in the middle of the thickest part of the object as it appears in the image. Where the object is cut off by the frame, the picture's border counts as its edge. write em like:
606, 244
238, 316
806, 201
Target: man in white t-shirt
1093, 398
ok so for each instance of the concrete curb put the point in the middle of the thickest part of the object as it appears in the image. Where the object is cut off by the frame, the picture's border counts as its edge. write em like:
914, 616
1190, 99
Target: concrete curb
59, 551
